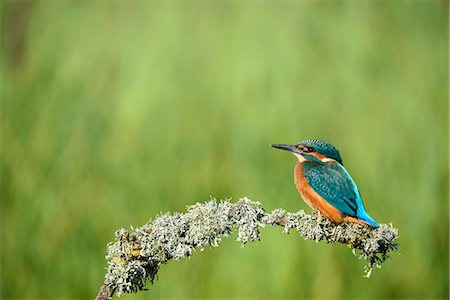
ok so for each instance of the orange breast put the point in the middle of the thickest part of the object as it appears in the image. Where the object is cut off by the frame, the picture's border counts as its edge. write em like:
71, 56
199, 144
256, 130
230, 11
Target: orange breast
313, 199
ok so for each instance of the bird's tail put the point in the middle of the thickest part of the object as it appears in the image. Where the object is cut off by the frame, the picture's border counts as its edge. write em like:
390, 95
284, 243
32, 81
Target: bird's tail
364, 216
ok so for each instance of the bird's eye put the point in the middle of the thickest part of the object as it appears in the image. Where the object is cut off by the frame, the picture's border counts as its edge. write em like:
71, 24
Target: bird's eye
310, 149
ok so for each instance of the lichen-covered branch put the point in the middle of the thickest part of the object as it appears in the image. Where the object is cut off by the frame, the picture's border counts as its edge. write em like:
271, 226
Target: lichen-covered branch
135, 257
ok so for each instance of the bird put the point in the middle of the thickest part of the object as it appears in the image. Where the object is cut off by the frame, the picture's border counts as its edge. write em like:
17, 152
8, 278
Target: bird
325, 185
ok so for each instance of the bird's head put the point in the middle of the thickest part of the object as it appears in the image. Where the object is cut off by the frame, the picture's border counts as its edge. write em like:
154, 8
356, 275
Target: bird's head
312, 150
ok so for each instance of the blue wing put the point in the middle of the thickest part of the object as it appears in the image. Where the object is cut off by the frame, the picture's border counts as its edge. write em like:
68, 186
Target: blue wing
333, 183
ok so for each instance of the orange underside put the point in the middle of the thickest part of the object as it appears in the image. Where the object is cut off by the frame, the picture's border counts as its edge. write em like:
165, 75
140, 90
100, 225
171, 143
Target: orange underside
316, 202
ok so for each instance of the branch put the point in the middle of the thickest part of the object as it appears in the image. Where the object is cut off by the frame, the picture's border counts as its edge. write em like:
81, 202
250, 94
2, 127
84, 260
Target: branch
134, 258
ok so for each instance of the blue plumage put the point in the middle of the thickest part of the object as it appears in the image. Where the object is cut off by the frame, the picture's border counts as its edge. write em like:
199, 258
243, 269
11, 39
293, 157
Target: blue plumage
321, 169
324, 148
333, 183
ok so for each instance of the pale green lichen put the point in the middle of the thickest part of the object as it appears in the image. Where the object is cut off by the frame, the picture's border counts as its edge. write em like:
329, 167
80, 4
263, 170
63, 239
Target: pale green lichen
134, 258
373, 245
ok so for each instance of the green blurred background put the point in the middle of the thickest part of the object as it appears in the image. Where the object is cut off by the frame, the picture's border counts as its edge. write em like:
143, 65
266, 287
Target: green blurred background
112, 112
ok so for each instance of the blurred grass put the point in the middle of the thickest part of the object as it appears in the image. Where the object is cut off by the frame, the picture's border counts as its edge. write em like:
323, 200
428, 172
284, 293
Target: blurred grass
112, 112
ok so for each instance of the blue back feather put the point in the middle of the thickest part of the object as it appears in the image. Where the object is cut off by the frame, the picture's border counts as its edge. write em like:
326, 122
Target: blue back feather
333, 183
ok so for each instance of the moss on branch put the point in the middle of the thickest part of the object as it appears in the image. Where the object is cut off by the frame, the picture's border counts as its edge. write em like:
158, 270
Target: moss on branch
135, 257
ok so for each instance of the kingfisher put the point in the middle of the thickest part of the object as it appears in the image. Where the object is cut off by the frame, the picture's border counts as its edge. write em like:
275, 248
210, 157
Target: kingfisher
325, 185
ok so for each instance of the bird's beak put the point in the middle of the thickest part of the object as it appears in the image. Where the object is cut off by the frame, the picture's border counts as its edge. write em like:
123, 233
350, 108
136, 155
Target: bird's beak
290, 148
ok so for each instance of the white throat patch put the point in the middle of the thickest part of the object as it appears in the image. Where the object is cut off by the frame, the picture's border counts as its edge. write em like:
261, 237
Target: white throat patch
300, 157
